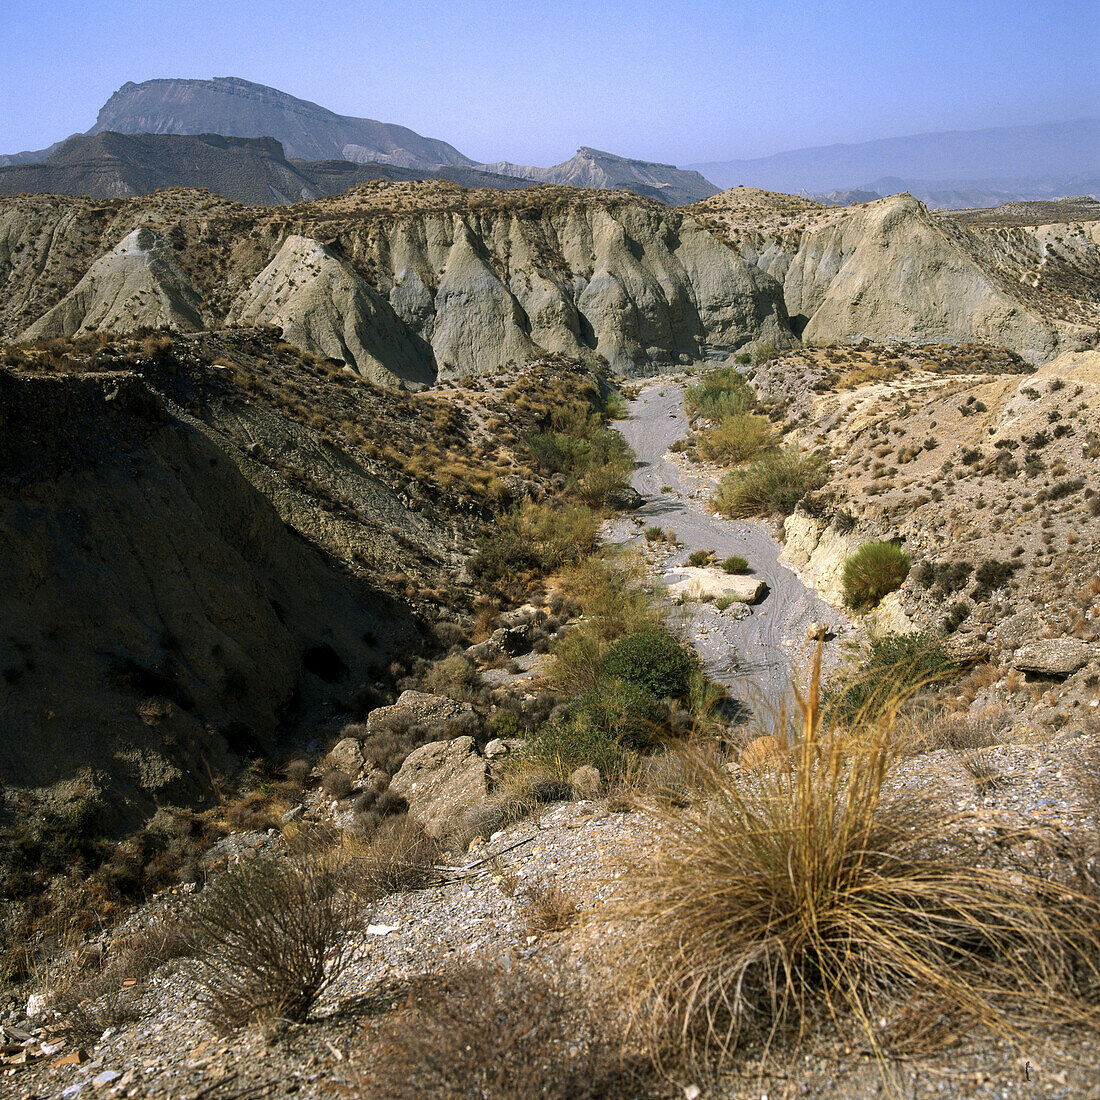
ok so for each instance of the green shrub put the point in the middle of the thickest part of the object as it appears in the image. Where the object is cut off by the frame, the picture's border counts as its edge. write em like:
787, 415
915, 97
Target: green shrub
559, 747
737, 439
735, 565
652, 659
699, 558
536, 537
875, 569
719, 394
772, 484
895, 667
652, 534
626, 711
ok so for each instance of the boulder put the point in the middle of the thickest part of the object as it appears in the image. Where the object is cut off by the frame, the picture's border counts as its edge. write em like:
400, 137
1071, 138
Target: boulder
506, 641
416, 707
1019, 629
694, 583
441, 780
626, 499
1054, 656
347, 756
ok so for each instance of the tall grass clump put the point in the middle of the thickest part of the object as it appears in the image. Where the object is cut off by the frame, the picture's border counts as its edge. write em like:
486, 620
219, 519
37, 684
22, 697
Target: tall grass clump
809, 897
736, 439
772, 484
719, 394
873, 571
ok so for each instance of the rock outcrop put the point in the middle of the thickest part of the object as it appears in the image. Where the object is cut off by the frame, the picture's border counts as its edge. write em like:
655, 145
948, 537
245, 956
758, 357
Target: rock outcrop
411, 281
441, 780
891, 271
324, 307
138, 284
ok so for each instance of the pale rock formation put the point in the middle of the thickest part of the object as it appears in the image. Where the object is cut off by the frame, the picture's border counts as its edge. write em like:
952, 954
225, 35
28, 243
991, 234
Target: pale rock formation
440, 780
817, 552
136, 285
323, 306
709, 584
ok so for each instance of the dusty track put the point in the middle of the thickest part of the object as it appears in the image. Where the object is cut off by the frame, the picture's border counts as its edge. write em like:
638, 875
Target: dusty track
757, 655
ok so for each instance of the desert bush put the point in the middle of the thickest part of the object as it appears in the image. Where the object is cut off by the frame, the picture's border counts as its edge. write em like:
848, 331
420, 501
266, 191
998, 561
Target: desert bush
562, 745
272, 935
337, 784
719, 394
736, 439
297, 772
498, 1035
894, 669
536, 538
627, 711
700, 558
655, 660
875, 569
608, 591
811, 896
398, 856
548, 906
454, 676
735, 565
772, 484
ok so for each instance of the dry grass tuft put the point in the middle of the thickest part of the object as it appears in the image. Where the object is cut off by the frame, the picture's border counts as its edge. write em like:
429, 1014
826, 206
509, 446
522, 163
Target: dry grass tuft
808, 898
549, 907
498, 1035
272, 935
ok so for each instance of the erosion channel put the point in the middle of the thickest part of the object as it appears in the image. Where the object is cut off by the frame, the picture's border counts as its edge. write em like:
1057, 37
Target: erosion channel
754, 650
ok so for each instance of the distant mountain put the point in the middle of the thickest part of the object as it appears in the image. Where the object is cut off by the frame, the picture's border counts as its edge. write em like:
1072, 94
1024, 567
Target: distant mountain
593, 168
845, 198
250, 170
1049, 157
232, 107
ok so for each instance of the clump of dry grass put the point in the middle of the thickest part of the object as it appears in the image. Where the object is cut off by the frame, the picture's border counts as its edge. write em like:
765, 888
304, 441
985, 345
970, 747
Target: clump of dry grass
498, 1035
548, 907
398, 856
273, 933
808, 896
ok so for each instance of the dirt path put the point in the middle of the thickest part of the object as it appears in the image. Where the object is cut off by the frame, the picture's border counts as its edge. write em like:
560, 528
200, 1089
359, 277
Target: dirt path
755, 655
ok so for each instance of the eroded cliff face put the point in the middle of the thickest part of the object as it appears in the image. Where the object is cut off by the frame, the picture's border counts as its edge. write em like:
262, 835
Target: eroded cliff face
158, 618
403, 282
891, 271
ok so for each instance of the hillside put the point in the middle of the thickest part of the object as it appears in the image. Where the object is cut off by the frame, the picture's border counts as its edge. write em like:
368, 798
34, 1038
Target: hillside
592, 168
890, 270
110, 165
1044, 161
402, 281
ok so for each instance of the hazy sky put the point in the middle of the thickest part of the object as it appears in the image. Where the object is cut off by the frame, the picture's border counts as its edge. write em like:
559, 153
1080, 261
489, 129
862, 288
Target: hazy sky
529, 81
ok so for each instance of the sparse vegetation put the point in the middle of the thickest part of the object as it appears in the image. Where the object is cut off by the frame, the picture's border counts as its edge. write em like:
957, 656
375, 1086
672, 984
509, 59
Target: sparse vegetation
772, 484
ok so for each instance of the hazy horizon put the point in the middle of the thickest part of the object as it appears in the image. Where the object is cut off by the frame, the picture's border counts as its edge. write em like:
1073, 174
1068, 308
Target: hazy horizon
681, 83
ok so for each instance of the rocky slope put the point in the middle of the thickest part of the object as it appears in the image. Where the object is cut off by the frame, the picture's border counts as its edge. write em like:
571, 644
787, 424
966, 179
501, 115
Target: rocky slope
593, 168
108, 165
160, 620
889, 270
422, 280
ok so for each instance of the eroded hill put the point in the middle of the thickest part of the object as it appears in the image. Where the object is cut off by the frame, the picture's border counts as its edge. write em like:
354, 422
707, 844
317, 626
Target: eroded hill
408, 281
889, 270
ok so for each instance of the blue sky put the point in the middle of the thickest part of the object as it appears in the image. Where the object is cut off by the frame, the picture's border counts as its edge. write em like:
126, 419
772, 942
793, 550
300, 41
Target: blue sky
528, 81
